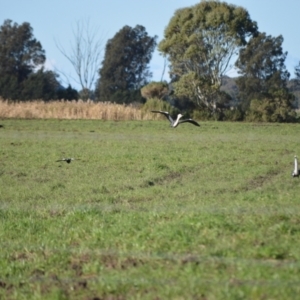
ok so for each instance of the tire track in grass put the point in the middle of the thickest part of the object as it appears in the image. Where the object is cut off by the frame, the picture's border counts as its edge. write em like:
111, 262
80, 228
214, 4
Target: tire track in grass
259, 181
161, 180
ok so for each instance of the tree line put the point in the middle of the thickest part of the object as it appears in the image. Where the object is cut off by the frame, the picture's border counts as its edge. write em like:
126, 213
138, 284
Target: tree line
199, 43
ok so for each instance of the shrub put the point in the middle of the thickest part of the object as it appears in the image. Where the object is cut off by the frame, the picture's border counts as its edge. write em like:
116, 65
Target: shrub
158, 104
202, 115
206, 115
234, 114
155, 90
276, 108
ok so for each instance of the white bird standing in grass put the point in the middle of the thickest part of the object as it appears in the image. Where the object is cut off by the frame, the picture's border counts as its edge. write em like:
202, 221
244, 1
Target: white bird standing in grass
296, 170
68, 160
177, 121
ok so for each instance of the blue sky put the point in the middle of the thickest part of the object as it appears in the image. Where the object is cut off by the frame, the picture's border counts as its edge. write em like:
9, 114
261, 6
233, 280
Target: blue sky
55, 20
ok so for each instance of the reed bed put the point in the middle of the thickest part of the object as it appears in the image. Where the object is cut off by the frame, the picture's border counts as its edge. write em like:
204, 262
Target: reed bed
39, 109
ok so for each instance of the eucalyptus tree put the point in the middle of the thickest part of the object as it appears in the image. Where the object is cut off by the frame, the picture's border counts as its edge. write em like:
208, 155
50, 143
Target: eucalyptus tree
200, 42
125, 66
295, 84
42, 84
20, 55
263, 81
297, 72
262, 68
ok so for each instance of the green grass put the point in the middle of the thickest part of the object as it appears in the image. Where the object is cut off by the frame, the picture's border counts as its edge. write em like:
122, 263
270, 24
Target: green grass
147, 211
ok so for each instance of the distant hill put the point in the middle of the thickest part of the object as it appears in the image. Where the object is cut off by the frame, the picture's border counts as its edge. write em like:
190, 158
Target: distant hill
229, 86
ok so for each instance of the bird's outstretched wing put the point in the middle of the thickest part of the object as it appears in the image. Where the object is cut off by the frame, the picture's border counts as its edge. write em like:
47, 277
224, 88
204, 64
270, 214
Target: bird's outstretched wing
164, 113
190, 121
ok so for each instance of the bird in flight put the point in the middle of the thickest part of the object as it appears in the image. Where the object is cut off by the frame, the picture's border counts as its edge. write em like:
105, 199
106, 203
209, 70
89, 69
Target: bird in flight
175, 123
295, 173
68, 160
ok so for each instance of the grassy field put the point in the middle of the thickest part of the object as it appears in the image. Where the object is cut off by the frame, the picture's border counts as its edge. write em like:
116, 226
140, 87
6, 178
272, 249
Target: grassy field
147, 211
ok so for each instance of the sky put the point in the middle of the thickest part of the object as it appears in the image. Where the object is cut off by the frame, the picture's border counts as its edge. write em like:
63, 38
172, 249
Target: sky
54, 22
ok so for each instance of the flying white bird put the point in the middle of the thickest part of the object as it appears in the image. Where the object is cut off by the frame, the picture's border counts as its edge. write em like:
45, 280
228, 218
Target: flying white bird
295, 173
68, 160
175, 123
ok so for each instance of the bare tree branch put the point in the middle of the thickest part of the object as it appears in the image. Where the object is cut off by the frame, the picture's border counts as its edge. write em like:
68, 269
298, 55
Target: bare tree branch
85, 55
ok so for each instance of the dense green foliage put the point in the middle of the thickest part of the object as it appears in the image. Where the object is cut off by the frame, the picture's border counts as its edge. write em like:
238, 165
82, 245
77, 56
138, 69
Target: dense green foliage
125, 66
200, 41
148, 212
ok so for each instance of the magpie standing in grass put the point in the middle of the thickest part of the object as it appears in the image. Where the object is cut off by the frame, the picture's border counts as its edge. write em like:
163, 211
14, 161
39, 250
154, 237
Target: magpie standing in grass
68, 160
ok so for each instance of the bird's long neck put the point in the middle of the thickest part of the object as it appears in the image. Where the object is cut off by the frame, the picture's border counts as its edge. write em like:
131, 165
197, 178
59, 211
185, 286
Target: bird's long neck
177, 121
296, 165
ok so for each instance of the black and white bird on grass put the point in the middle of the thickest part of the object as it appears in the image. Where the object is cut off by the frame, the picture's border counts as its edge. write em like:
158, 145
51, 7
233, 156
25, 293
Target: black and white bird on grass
67, 160
296, 171
175, 123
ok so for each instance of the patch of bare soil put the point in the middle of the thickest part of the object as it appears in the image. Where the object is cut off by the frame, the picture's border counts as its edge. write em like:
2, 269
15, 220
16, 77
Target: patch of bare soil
259, 181
171, 176
115, 262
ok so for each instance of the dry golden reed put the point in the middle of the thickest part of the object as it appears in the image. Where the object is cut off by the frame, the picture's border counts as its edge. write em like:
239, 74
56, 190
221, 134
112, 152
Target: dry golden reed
71, 110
